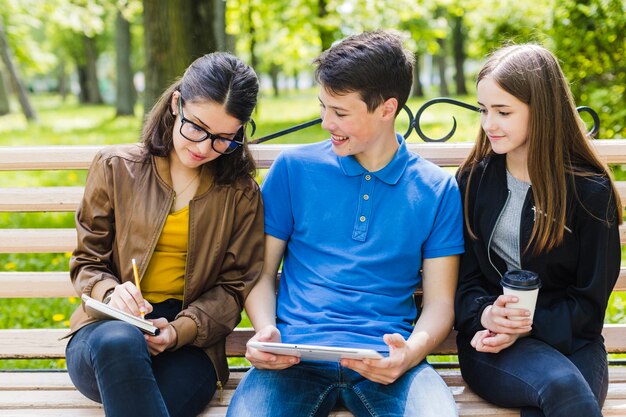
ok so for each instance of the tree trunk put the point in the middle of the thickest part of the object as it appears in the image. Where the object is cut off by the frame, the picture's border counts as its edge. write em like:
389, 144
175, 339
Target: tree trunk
203, 39
91, 72
326, 35
441, 67
63, 87
254, 61
175, 33
274, 71
417, 90
125, 97
458, 42
219, 25
5, 108
18, 85
83, 93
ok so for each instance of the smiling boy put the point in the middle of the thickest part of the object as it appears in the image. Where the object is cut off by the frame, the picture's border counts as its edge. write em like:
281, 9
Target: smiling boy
360, 222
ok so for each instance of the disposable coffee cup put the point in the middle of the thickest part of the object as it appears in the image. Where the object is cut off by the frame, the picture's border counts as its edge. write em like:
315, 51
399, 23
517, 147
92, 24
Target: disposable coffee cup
525, 286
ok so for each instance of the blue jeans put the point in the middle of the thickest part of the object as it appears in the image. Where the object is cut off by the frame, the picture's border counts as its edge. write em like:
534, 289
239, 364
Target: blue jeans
314, 388
537, 378
109, 362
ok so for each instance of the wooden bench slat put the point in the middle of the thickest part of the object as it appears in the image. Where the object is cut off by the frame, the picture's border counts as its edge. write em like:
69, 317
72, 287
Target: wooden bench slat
64, 240
468, 402
54, 391
37, 240
57, 284
46, 157
36, 285
55, 412
30, 199
66, 199
79, 157
60, 380
72, 398
45, 343
44, 399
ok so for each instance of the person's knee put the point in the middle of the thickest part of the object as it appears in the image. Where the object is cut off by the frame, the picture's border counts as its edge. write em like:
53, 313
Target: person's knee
118, 340
566, 387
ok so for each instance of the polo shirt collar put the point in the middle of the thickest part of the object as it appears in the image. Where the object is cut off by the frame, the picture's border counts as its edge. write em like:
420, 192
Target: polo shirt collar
390, 174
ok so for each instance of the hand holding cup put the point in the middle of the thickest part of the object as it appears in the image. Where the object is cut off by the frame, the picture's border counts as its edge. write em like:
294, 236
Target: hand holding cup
496, 317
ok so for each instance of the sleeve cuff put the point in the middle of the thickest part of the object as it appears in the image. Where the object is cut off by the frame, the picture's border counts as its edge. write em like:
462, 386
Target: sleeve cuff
101, 287
484, 303
186, 331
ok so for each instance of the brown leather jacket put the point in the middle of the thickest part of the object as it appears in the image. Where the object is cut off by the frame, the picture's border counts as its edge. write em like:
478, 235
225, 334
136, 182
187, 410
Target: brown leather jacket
131, 193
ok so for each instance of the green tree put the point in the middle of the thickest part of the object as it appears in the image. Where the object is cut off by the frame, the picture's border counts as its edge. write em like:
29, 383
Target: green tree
80, 32
277, 38
176, 33
497, 22
589, 37
5, 108
416, 20
126, 94
7, 58
459, 31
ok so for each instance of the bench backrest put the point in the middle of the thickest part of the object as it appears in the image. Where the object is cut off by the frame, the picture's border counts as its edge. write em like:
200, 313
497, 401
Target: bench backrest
43, 343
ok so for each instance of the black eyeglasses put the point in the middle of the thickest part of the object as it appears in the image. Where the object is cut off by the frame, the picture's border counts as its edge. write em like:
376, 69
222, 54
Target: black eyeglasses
195, 133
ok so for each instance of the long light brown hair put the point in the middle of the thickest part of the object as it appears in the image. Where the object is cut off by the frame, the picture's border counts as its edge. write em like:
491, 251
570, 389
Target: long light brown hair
557, 141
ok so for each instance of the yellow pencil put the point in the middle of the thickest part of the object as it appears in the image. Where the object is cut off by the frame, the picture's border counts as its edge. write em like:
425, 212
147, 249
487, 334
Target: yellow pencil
142, 310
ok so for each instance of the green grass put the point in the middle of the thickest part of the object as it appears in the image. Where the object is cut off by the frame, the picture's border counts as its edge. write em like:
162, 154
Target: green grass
68, 123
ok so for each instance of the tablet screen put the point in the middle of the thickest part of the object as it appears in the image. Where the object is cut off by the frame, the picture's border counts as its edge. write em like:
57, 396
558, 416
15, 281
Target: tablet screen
315, 353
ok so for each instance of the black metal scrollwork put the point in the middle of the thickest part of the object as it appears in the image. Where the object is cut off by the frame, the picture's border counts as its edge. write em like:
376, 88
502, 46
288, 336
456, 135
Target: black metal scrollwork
286, 131
591, 133
596, 119
312, 123
414, 121
437, 100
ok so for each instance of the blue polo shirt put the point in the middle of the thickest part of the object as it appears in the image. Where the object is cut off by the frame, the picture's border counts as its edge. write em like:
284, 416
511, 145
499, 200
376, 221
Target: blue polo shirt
355, 242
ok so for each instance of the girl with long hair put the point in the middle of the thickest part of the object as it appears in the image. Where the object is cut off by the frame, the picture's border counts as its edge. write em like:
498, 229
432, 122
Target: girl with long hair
536, 197
184, 205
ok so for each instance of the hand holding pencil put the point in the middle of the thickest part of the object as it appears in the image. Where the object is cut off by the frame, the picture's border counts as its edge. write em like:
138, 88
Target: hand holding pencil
142, 308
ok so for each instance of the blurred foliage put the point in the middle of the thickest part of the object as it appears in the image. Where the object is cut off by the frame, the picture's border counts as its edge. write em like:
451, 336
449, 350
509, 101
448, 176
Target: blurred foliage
590, 39
282, 37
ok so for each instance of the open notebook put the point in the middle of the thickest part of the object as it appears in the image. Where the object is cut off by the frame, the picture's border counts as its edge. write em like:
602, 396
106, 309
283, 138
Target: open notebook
102, 311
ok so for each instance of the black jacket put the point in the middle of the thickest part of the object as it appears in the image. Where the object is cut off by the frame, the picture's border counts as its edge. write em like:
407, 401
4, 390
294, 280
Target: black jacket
577, 276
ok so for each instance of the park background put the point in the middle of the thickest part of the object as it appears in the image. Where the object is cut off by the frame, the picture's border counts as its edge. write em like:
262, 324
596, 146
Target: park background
85, 72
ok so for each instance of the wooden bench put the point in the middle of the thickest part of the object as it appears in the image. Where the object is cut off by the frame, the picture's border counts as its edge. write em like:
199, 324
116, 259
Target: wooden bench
48, 393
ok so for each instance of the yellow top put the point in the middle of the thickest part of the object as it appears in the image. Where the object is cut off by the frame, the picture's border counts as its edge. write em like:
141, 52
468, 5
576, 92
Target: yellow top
165, 276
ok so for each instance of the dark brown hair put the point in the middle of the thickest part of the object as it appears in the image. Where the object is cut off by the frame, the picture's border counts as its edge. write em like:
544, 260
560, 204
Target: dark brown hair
374, 64
219, 78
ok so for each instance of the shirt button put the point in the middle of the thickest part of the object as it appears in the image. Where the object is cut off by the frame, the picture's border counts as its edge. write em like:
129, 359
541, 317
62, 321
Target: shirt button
362, 218
366, 197
368, 177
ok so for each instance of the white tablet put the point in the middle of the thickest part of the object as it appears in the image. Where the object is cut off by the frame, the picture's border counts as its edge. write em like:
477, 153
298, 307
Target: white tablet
315, 353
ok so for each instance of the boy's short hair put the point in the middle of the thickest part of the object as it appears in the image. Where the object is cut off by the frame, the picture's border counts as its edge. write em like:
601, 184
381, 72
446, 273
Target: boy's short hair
374, 64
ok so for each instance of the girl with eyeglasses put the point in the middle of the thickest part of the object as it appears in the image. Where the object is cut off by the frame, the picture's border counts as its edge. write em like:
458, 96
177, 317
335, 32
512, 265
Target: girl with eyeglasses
185, 205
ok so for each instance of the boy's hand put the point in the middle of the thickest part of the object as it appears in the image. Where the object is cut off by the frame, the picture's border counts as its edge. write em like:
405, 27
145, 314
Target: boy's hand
495, 317
387, 370
264, 360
